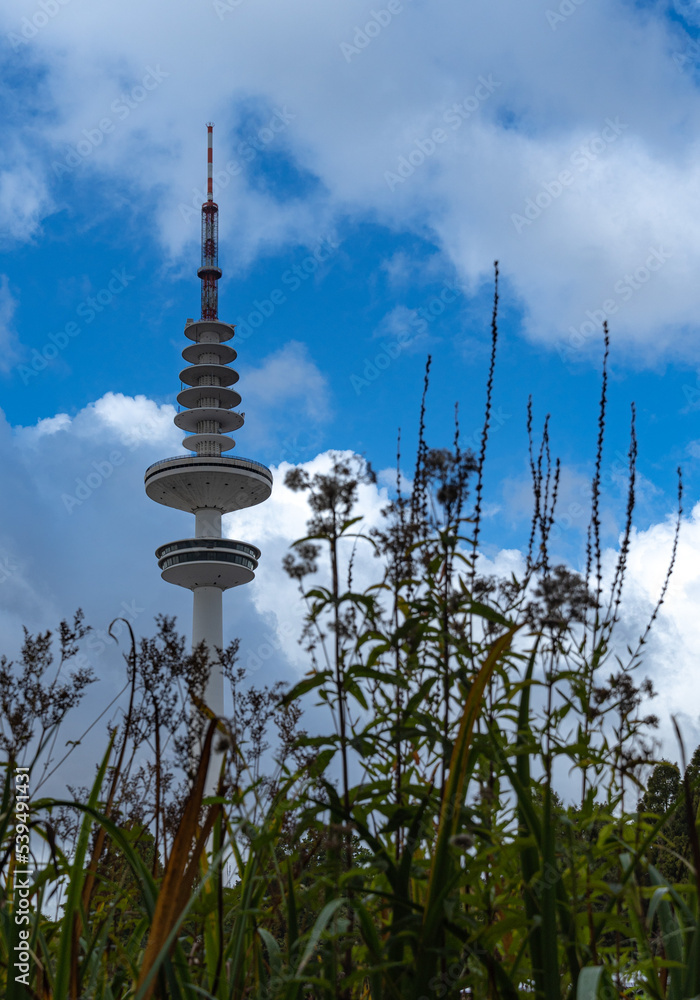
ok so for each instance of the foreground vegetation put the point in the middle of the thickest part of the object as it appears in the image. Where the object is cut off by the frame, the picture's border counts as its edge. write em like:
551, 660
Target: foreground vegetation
419, 848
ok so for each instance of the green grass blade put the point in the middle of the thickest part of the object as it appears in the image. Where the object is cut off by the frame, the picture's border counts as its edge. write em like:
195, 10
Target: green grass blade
441, 874
67, 960
550, 946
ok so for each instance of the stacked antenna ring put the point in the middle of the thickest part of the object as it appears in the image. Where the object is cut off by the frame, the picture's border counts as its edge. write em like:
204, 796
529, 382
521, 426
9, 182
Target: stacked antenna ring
208, 402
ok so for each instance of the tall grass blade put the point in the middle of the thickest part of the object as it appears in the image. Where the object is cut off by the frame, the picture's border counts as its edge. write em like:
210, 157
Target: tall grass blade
442, 875
180, 872
66, 982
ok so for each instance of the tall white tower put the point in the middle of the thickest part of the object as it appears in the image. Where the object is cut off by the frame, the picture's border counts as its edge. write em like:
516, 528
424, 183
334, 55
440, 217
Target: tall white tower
206, 482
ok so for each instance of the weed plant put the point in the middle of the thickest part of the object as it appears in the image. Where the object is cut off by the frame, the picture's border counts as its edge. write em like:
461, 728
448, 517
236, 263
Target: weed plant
418, 848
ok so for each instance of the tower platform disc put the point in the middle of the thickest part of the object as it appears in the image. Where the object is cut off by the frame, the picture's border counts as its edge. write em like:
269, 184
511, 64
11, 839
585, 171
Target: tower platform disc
191, 397
223, 483
203, 329
193, 352
189, 420
208, 562
192, 375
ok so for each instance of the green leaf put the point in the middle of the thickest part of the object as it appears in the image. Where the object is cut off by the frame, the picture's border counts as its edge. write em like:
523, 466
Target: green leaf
292, 919
347, 524
317, 930
356, 691
382, 676
484, 611
307, 684
273, 951
442, 868
376, 652
594, 983
320, 593
319, 765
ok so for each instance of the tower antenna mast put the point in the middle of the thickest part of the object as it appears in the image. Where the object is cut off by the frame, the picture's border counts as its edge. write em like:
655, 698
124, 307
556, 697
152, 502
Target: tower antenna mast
209, 270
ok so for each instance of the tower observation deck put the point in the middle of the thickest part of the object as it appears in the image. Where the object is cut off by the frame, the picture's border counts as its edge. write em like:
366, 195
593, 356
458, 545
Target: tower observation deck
207, 482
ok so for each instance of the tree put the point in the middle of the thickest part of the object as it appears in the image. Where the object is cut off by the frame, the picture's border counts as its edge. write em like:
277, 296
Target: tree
672, 851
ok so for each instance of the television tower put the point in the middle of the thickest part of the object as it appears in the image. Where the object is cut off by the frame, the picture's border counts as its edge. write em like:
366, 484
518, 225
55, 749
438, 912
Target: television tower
206, 482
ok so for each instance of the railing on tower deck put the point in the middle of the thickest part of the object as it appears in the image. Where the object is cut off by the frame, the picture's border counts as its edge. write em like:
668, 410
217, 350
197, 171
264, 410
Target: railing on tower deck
246, 463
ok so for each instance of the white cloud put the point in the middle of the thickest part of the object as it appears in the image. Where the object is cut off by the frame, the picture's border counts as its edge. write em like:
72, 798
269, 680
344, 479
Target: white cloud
540, 108
670, 658
407, 329
135, 419
274, 526
506, 563
43, 428
688, 9
129, 420
287, 388
99, 554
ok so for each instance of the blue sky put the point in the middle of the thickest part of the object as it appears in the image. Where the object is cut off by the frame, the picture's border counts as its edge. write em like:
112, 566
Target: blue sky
372, 162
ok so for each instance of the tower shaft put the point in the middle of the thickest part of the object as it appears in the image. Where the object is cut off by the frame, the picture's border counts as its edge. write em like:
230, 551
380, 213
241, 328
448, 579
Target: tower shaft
208, 628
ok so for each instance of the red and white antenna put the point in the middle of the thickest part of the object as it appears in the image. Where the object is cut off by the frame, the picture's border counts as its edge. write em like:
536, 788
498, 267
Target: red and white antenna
209, 270
210, 161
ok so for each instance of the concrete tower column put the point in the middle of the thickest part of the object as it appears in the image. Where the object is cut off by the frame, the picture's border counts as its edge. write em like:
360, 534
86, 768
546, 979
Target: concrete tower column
207, 523
208, 627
